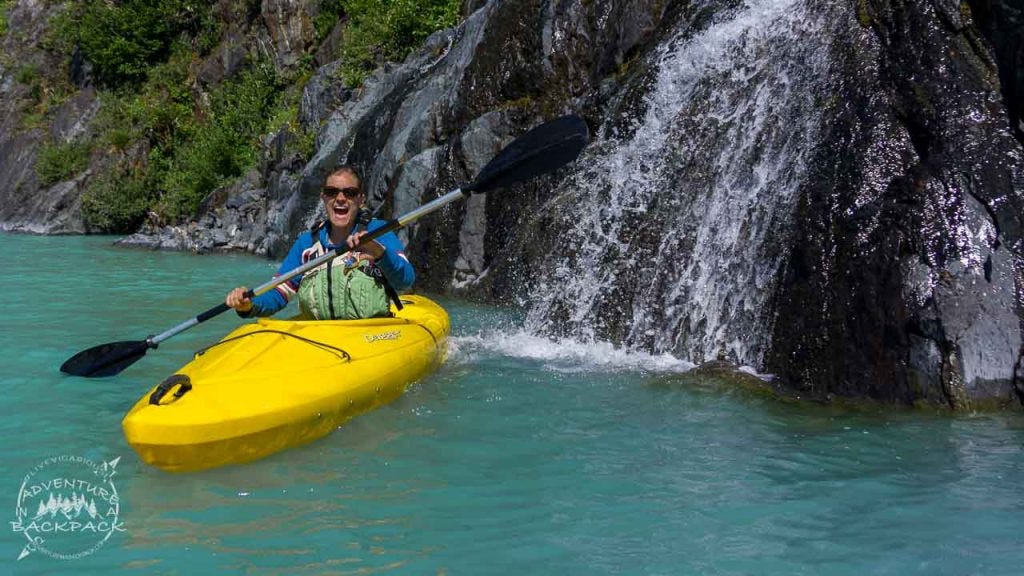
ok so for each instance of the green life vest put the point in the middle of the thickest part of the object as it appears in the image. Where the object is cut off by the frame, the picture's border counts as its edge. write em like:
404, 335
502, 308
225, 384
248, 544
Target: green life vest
336, 291
339, 292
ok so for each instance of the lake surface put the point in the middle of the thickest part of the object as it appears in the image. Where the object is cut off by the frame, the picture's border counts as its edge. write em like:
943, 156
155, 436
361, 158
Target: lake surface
519, 456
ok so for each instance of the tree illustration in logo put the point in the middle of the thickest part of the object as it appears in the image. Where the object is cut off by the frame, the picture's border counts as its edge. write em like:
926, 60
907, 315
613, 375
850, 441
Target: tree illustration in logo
69, 507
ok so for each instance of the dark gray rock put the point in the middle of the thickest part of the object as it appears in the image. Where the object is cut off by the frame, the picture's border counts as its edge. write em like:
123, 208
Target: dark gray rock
1001, 22
330, 48
324, 93
26, 205
482, 139
234, 219
226, 60
280, 153
909, 242
71, 119
81, 70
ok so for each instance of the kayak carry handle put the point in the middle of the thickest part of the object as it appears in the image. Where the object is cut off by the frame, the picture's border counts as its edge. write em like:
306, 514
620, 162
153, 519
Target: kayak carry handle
179, 380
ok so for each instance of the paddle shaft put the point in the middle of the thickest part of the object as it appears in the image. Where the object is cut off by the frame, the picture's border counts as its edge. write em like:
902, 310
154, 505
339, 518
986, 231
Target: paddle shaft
392, 225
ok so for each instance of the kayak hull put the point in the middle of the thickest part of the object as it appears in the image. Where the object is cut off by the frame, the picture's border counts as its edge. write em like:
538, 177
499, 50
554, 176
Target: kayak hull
275, 384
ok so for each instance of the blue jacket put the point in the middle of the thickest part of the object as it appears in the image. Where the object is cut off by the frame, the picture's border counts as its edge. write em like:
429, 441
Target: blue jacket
394, 265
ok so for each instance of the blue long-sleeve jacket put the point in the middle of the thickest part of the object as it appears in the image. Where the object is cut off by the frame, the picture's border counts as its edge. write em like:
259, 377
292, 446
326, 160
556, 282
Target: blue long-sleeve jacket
394, 265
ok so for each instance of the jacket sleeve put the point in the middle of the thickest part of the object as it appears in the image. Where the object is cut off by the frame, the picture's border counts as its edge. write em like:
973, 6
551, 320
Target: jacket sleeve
268, 303
397, 269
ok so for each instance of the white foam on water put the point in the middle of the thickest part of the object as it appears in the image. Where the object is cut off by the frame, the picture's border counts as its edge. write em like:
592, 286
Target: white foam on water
753, 372
562, 355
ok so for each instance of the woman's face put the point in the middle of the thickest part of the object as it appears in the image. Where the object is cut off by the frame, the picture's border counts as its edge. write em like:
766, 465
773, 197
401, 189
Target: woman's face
342, 197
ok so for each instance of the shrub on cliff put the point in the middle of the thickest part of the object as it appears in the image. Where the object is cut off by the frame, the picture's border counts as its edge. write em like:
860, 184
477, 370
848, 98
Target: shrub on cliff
168, 140
122, 40
117, 201
222, 146
59, 162
381, 31
190, 153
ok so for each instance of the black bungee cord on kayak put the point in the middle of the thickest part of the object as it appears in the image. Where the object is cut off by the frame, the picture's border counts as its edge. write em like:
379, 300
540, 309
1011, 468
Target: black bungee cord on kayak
326, 347
185, 384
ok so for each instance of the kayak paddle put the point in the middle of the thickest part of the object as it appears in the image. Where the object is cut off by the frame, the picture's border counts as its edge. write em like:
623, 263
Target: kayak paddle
540, 151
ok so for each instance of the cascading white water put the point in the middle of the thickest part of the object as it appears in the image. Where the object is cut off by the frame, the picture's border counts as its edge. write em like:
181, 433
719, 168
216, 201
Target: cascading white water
676, 224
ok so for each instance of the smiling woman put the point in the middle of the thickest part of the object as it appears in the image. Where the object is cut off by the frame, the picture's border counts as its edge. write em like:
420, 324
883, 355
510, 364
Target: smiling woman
360, 285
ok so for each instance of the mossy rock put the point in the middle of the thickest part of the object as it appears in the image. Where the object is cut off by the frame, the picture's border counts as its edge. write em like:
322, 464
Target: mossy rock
718, 374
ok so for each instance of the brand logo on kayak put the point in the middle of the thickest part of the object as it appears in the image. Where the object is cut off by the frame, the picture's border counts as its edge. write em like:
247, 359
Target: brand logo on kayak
68, 507
391, 335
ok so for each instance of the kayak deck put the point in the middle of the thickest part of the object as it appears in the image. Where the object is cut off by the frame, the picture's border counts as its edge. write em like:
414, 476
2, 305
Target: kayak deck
274, 384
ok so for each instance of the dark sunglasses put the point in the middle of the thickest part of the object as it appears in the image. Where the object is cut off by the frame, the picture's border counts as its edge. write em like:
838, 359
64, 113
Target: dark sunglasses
349, 192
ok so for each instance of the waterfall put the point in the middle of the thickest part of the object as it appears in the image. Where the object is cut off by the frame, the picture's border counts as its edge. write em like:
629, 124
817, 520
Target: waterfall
673, 229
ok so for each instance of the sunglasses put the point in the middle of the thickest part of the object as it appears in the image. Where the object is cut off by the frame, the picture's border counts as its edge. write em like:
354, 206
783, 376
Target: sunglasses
350, 192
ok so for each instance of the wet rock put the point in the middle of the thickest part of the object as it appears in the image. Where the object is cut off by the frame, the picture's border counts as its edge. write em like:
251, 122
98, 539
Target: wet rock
917, 301
724, 375
1001, 22
480, 141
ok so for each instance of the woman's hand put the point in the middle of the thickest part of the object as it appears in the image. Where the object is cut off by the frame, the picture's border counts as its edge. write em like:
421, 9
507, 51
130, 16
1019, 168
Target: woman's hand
372, 248
237, 300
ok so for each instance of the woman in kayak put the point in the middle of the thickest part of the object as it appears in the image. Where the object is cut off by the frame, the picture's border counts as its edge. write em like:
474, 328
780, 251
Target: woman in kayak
356, 285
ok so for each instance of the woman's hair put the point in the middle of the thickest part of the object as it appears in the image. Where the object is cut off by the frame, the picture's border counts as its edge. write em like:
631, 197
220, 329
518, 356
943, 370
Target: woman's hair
348, 169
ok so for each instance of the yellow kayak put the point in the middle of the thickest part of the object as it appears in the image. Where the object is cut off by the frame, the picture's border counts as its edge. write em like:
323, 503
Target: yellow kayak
274, 384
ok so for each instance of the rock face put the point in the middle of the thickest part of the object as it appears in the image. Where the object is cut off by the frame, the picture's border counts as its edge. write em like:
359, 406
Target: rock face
287, 30
904, 280
27, 205
1002, 24
829, 191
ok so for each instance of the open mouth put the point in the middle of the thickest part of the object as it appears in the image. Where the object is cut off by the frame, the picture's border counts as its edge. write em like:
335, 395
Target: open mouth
341, 209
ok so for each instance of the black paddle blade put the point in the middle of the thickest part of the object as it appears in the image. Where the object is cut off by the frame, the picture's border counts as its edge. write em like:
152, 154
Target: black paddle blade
105, 359
543, 149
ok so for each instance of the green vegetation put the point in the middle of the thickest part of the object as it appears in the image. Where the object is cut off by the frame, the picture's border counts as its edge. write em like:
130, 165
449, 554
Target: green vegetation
303, 141
330, 12
123, 39
59, 162
5, 5
190, 152
42, 95
117, 200
26, 74
158, 111
224, 144
162, 142
965, 12
864, 17
387, 30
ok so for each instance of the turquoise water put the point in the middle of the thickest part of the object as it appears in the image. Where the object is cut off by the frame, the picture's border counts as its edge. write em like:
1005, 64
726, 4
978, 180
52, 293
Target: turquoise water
518, 456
